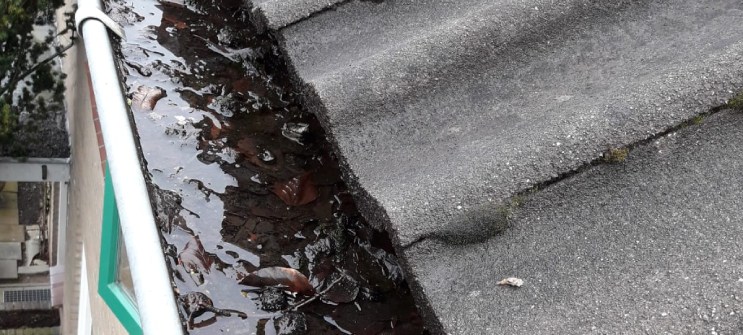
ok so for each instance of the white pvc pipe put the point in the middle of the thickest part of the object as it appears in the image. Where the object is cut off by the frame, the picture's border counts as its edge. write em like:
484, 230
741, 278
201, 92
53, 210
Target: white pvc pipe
154, 294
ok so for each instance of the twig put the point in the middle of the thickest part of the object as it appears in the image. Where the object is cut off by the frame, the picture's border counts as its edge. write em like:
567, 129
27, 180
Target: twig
313, 298
228, 312
235, 214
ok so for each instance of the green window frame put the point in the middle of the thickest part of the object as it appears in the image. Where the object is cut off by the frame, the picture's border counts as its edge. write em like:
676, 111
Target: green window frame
109, 288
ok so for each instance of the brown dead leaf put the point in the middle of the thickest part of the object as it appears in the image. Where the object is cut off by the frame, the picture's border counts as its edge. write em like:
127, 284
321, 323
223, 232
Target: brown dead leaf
194, 258
274, 212
168, 18
253, 153
298, 191
247, 147
197, 303
145, 98
212, 129
511, 281
243, 85
289, 278
215, 131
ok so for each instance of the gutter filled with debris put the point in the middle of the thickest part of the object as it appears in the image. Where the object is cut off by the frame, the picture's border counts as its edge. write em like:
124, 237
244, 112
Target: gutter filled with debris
261, 234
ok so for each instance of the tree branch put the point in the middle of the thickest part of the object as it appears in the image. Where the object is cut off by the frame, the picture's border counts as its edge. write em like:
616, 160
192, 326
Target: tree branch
15, 80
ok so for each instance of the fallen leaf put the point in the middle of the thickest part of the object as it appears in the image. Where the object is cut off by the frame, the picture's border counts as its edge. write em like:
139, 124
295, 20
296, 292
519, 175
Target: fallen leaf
215, 129
197, 303
253, 153
145, 98
344, 291
273, 213
194, 258
247, 147
511, 281
176, 22
285, 277
243, 85
297, 191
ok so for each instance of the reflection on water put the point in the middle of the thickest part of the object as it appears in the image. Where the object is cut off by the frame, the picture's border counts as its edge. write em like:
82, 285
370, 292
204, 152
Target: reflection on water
251, 207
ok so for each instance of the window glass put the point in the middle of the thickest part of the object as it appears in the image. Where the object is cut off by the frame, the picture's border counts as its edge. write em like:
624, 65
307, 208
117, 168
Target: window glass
123, 273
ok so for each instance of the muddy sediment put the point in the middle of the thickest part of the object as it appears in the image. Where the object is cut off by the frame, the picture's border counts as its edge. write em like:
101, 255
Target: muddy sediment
247, 191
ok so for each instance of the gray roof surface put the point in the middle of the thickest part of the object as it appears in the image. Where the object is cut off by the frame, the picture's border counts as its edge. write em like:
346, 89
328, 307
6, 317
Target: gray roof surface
649, 246
443, 110
277, 14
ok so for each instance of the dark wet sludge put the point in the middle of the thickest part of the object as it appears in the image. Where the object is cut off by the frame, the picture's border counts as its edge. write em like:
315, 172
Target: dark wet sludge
261, 235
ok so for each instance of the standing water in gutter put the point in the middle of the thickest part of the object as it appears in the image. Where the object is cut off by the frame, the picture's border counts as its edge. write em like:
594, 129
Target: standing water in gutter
260, 233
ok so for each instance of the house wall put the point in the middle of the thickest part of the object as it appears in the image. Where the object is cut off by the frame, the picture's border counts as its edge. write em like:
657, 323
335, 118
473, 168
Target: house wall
85, 198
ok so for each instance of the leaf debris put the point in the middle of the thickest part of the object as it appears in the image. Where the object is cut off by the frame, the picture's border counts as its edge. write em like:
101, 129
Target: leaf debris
511, 281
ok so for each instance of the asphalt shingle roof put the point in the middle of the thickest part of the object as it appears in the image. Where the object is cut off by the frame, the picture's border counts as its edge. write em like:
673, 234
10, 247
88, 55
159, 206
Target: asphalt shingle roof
648, 246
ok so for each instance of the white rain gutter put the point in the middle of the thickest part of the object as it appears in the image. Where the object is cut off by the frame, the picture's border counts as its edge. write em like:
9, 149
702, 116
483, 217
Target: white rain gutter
154, 294
35, 169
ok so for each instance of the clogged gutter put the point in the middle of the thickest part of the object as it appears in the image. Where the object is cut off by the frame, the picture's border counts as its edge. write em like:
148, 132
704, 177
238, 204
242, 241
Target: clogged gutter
259, 231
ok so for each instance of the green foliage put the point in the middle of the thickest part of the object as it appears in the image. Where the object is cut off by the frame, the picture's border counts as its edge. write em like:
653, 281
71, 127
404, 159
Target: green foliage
28, 83
7, 122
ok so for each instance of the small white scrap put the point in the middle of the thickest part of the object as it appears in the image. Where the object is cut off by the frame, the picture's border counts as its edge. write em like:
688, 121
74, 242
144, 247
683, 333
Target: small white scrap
181, 120
155, 116
512, 281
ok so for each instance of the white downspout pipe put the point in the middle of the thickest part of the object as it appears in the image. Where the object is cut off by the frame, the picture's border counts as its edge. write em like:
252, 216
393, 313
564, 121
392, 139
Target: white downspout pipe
155, 300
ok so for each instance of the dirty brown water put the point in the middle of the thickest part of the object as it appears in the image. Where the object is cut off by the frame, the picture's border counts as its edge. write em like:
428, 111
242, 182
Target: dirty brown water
237, 165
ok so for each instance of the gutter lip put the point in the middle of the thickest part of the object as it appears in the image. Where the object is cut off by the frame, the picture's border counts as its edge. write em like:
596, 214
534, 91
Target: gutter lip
36, 160
153, 290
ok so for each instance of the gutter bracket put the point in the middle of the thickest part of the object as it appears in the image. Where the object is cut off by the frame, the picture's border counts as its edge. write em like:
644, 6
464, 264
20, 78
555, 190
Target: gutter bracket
87, 12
